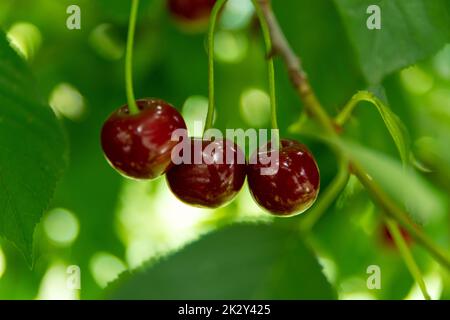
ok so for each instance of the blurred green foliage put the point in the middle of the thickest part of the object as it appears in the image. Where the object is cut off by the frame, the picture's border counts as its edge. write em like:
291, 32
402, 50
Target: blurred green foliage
105, 224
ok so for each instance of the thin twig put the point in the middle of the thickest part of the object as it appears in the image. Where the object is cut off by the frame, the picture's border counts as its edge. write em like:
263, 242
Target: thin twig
281, 47
299, 78
392, 210
313, 107
327, 198
407, 256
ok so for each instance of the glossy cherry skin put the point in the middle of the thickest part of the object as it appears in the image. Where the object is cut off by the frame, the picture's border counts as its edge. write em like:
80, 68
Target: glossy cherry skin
290, 190
139, 145
212, 183
191, 10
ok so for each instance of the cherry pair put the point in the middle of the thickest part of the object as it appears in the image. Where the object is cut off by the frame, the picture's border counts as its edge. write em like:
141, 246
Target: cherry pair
140, 146
284, 188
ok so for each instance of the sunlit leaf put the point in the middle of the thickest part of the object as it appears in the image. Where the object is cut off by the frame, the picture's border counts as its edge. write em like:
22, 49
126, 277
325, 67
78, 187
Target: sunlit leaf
32, 151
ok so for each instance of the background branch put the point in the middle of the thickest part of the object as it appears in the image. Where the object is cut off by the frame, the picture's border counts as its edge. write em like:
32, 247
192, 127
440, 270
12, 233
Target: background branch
299, 78
315, 110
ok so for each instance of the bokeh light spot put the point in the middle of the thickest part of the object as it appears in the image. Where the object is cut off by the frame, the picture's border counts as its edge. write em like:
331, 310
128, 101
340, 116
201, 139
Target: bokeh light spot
2, 263
230, 47
152, 222
194, 112
67, 101
25, 38
61, 226
434, 287
178, 219
139, 251
248, 209
54, 284
416, 80
255, 107
355, 288
105, 43
329, 268
237, 14
105, 267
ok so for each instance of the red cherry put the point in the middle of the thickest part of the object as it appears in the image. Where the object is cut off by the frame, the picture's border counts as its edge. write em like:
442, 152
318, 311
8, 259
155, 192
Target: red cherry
139, 145
293, 188
215, 181
388, 239
191, 10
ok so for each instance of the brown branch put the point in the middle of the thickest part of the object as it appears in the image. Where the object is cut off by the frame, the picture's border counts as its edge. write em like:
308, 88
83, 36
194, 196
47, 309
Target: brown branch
281, 47
299, 79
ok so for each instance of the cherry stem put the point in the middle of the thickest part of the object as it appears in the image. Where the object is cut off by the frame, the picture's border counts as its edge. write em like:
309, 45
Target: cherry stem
270, 64
392, 210
212, 28
327, 197
298, 77
396, 212
407, 256
132, 106
316, 111
346, 112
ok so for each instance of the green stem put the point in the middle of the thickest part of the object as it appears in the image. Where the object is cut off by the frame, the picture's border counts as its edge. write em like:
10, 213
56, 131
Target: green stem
360, 96
393, 126
293, 63
407, 256
395, 212
132, 106
317, 112
347, 111
270, 63
327, 197
212, 28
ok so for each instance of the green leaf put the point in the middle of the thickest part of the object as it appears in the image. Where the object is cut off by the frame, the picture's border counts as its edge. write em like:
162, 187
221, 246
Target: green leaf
402, 183
355, 223
411, 30
317, 34
32, 151
238, 262
393, 123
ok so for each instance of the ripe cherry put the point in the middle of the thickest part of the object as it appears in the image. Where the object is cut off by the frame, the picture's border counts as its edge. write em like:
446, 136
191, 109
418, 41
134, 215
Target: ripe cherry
290, 190
191, 11
139, 145
388, 239
212, 175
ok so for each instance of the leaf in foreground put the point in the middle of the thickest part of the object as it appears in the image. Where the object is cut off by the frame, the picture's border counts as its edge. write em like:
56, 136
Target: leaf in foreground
238, 262
32, 151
